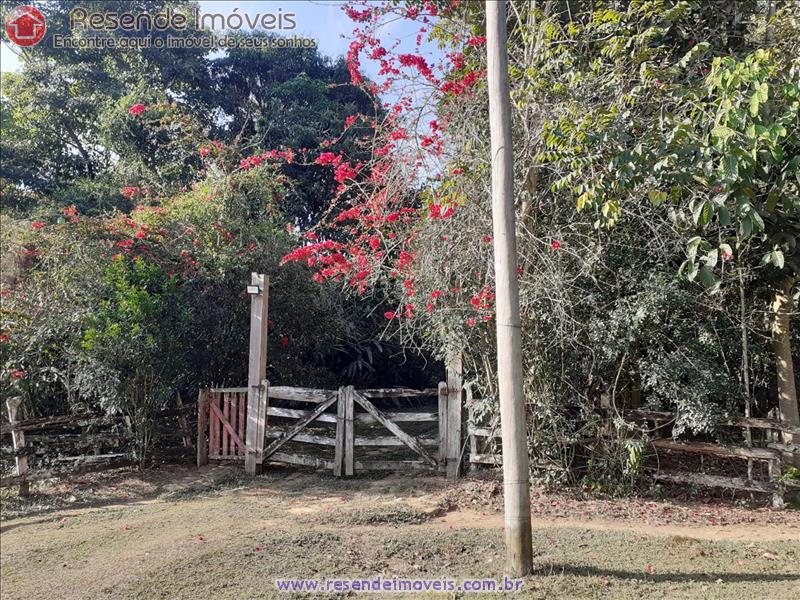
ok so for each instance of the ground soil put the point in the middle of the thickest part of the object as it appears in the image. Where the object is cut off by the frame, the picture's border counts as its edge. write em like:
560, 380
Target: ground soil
179, 532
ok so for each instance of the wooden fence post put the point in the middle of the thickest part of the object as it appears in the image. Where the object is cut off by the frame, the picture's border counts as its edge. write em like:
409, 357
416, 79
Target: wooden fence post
257, 370
774, 472
473, 440
18, 439
183, 423
202, 427
455, 385
349, 440
443, 416
338, 455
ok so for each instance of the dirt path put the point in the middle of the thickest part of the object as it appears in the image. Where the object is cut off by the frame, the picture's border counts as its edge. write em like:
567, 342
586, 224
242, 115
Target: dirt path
215, 534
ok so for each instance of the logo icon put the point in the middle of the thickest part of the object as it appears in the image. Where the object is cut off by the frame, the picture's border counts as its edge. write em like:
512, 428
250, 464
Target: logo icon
25, 26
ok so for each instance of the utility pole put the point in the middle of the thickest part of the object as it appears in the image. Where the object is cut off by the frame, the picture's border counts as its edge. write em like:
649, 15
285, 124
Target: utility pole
516, 483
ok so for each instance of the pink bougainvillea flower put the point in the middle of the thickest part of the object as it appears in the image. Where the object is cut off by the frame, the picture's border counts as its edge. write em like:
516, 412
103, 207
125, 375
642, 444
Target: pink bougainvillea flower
38, 224
389, 315
71, 211
205, 151
487, 239
329, 158
555, 244
471, 322
129, 191
3, 338
137, 109
358, 16
284, 341
17, 374
139, 235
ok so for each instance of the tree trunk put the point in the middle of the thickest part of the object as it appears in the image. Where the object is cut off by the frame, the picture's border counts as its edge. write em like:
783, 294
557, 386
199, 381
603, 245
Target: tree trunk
781, 340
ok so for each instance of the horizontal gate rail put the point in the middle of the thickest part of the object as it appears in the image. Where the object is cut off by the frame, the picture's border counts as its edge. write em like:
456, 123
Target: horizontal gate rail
276, 433
397, 417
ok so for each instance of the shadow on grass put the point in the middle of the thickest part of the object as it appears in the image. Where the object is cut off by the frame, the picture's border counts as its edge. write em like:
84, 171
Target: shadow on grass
548, 570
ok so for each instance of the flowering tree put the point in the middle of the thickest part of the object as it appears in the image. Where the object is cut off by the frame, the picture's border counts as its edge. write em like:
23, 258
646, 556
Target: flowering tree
618, 115
119, 313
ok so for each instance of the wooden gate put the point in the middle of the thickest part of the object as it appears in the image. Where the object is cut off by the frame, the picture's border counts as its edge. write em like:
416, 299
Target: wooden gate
331, 423
227, 423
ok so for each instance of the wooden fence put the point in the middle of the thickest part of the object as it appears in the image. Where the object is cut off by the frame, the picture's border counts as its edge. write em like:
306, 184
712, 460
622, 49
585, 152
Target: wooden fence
483, 451
343, 430
773, 454
51, 446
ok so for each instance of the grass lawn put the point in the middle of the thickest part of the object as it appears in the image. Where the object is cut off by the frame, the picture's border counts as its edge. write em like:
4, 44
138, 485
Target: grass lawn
214, 534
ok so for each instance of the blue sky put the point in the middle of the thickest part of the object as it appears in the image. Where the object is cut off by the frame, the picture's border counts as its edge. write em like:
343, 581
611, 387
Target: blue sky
322, 20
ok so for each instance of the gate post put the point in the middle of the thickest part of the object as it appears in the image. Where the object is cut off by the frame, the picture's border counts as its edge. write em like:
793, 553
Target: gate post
257, 394
443, 416
455, 385
18, 440
338, 455
202, 427
343, 459
349, 432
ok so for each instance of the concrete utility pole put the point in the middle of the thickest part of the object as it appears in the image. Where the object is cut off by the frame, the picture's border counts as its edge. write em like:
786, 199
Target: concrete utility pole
516, 484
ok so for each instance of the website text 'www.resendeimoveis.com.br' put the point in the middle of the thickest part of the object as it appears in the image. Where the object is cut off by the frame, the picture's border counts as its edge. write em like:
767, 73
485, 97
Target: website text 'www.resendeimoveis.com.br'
391, 585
